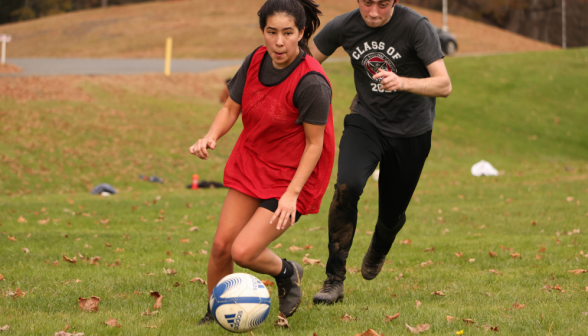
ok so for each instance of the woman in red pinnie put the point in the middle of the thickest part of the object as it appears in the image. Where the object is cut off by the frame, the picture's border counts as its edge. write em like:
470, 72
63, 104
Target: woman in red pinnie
281, 165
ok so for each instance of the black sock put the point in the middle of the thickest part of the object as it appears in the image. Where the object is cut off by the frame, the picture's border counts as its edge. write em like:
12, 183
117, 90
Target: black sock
208, 309
286, 272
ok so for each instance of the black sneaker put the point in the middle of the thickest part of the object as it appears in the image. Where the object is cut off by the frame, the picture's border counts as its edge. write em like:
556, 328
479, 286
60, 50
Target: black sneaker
290, 291
372, 263
331, 292
207, 319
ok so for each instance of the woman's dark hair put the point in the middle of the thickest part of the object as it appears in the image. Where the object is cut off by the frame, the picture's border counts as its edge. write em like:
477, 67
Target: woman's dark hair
304, 12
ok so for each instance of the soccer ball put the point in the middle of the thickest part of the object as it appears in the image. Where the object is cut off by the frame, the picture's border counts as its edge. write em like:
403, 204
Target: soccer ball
240, 302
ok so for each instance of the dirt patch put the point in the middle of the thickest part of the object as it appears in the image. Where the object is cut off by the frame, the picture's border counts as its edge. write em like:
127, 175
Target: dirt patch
72, 88
9, 68
204, 29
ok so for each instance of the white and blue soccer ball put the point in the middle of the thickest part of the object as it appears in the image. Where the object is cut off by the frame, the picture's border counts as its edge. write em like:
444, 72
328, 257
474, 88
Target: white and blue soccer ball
240, 302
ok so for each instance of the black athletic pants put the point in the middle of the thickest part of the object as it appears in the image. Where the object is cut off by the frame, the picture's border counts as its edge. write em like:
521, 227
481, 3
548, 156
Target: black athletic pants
401, 161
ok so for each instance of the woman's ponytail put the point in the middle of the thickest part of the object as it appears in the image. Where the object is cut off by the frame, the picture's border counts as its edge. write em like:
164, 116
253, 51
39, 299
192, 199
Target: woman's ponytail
311, 13
305, 14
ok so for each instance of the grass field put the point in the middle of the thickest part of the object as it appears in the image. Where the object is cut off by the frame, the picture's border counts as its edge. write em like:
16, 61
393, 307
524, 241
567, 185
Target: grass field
524, 113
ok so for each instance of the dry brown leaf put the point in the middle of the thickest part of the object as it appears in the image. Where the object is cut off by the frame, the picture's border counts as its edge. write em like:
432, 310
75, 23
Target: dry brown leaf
1, 277
151, 327
21, 219
406, 242
5, 328
112, 323
107, 244
515, 255
430, 249
393, 317
307, 247
557, 287
295, 248
518, 306
472, 260
578, 271
147, 313
158, 297
11, 238
202, 251
468, 321
494, 271
119, 249
347, 318
169, 271
168, 260
419, 328
542, 249
44, 221
585, 313
438, 293
202, 281
193, 228
369, 332
450, 318
90, 304
55, 263
277, 246
492, 254
267, 283
399, 276
506, 248
64, 333
25, 250
94, 260
282, 322
488, 327
418, 304
316, 228
308, 261
73, 261
185, 240
459, 255
426, 263
537, 256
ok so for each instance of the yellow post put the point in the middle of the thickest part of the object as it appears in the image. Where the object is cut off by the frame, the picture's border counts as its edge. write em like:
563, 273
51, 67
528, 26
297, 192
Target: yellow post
168, 53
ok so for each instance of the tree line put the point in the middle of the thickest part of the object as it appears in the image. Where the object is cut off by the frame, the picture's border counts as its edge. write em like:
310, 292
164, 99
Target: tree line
538, 19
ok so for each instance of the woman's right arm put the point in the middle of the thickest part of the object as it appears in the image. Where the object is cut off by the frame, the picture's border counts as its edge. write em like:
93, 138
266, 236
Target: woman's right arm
224, 120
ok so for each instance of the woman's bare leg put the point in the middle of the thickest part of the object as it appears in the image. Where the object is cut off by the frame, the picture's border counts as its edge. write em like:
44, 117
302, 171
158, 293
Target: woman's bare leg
250, 246
237, 210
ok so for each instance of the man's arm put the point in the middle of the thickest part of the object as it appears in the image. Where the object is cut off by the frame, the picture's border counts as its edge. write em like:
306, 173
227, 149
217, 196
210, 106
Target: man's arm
319, 56
438, 85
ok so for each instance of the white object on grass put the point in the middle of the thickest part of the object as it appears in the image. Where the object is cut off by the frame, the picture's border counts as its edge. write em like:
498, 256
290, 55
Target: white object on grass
376, 175
484, 168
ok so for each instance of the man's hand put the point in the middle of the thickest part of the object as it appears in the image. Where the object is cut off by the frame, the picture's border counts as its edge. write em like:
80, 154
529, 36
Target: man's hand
200, 147
390, 81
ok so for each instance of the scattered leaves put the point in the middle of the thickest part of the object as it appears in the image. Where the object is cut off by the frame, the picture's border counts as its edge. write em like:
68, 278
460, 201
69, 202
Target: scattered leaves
492, 254
267, 283
308, 261
147, 313
277, 246
430, 249
578, 271
73, 261
450, 318
21, 219
193, 228
418, 304
468, 321
459, 255
369, 332
90, 304
515, 255
438, 293
112, 323
419, 328
393, 317
1, 277
406, 242
202, 281
11, 238
185, 240
488, 327
25, 250
169, 271
295, 248
5, 328
282, 322
494, 271
64, 333
399, 276
347, 318
158, 297
316, 228
516, 305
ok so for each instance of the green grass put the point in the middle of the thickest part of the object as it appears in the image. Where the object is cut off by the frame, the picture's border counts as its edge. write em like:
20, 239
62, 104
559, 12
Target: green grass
503, 109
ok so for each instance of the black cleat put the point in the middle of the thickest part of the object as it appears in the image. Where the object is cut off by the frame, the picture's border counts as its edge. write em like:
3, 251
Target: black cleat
290, 291
207, 319
331, 292
372, 263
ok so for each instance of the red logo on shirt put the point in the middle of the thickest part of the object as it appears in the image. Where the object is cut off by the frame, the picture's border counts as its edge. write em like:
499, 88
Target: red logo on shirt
375, 61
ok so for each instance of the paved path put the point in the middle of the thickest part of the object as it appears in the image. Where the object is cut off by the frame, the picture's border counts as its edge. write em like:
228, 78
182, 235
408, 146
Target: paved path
80, 66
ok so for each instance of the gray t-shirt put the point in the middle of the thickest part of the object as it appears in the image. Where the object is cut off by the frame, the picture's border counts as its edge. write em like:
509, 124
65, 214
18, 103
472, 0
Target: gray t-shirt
312, 96
404, 45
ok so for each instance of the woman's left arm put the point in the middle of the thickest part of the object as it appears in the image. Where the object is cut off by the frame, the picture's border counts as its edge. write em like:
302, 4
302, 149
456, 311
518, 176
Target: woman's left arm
315, 135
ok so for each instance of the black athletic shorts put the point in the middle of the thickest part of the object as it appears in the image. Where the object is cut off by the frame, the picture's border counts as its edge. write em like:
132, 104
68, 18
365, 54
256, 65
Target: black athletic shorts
272, 205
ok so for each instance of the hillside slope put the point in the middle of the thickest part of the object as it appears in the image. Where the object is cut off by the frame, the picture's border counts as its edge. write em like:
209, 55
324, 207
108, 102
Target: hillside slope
202, 29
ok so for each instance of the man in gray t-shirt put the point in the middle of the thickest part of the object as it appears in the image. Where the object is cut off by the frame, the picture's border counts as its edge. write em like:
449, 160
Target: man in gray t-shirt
398, 71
